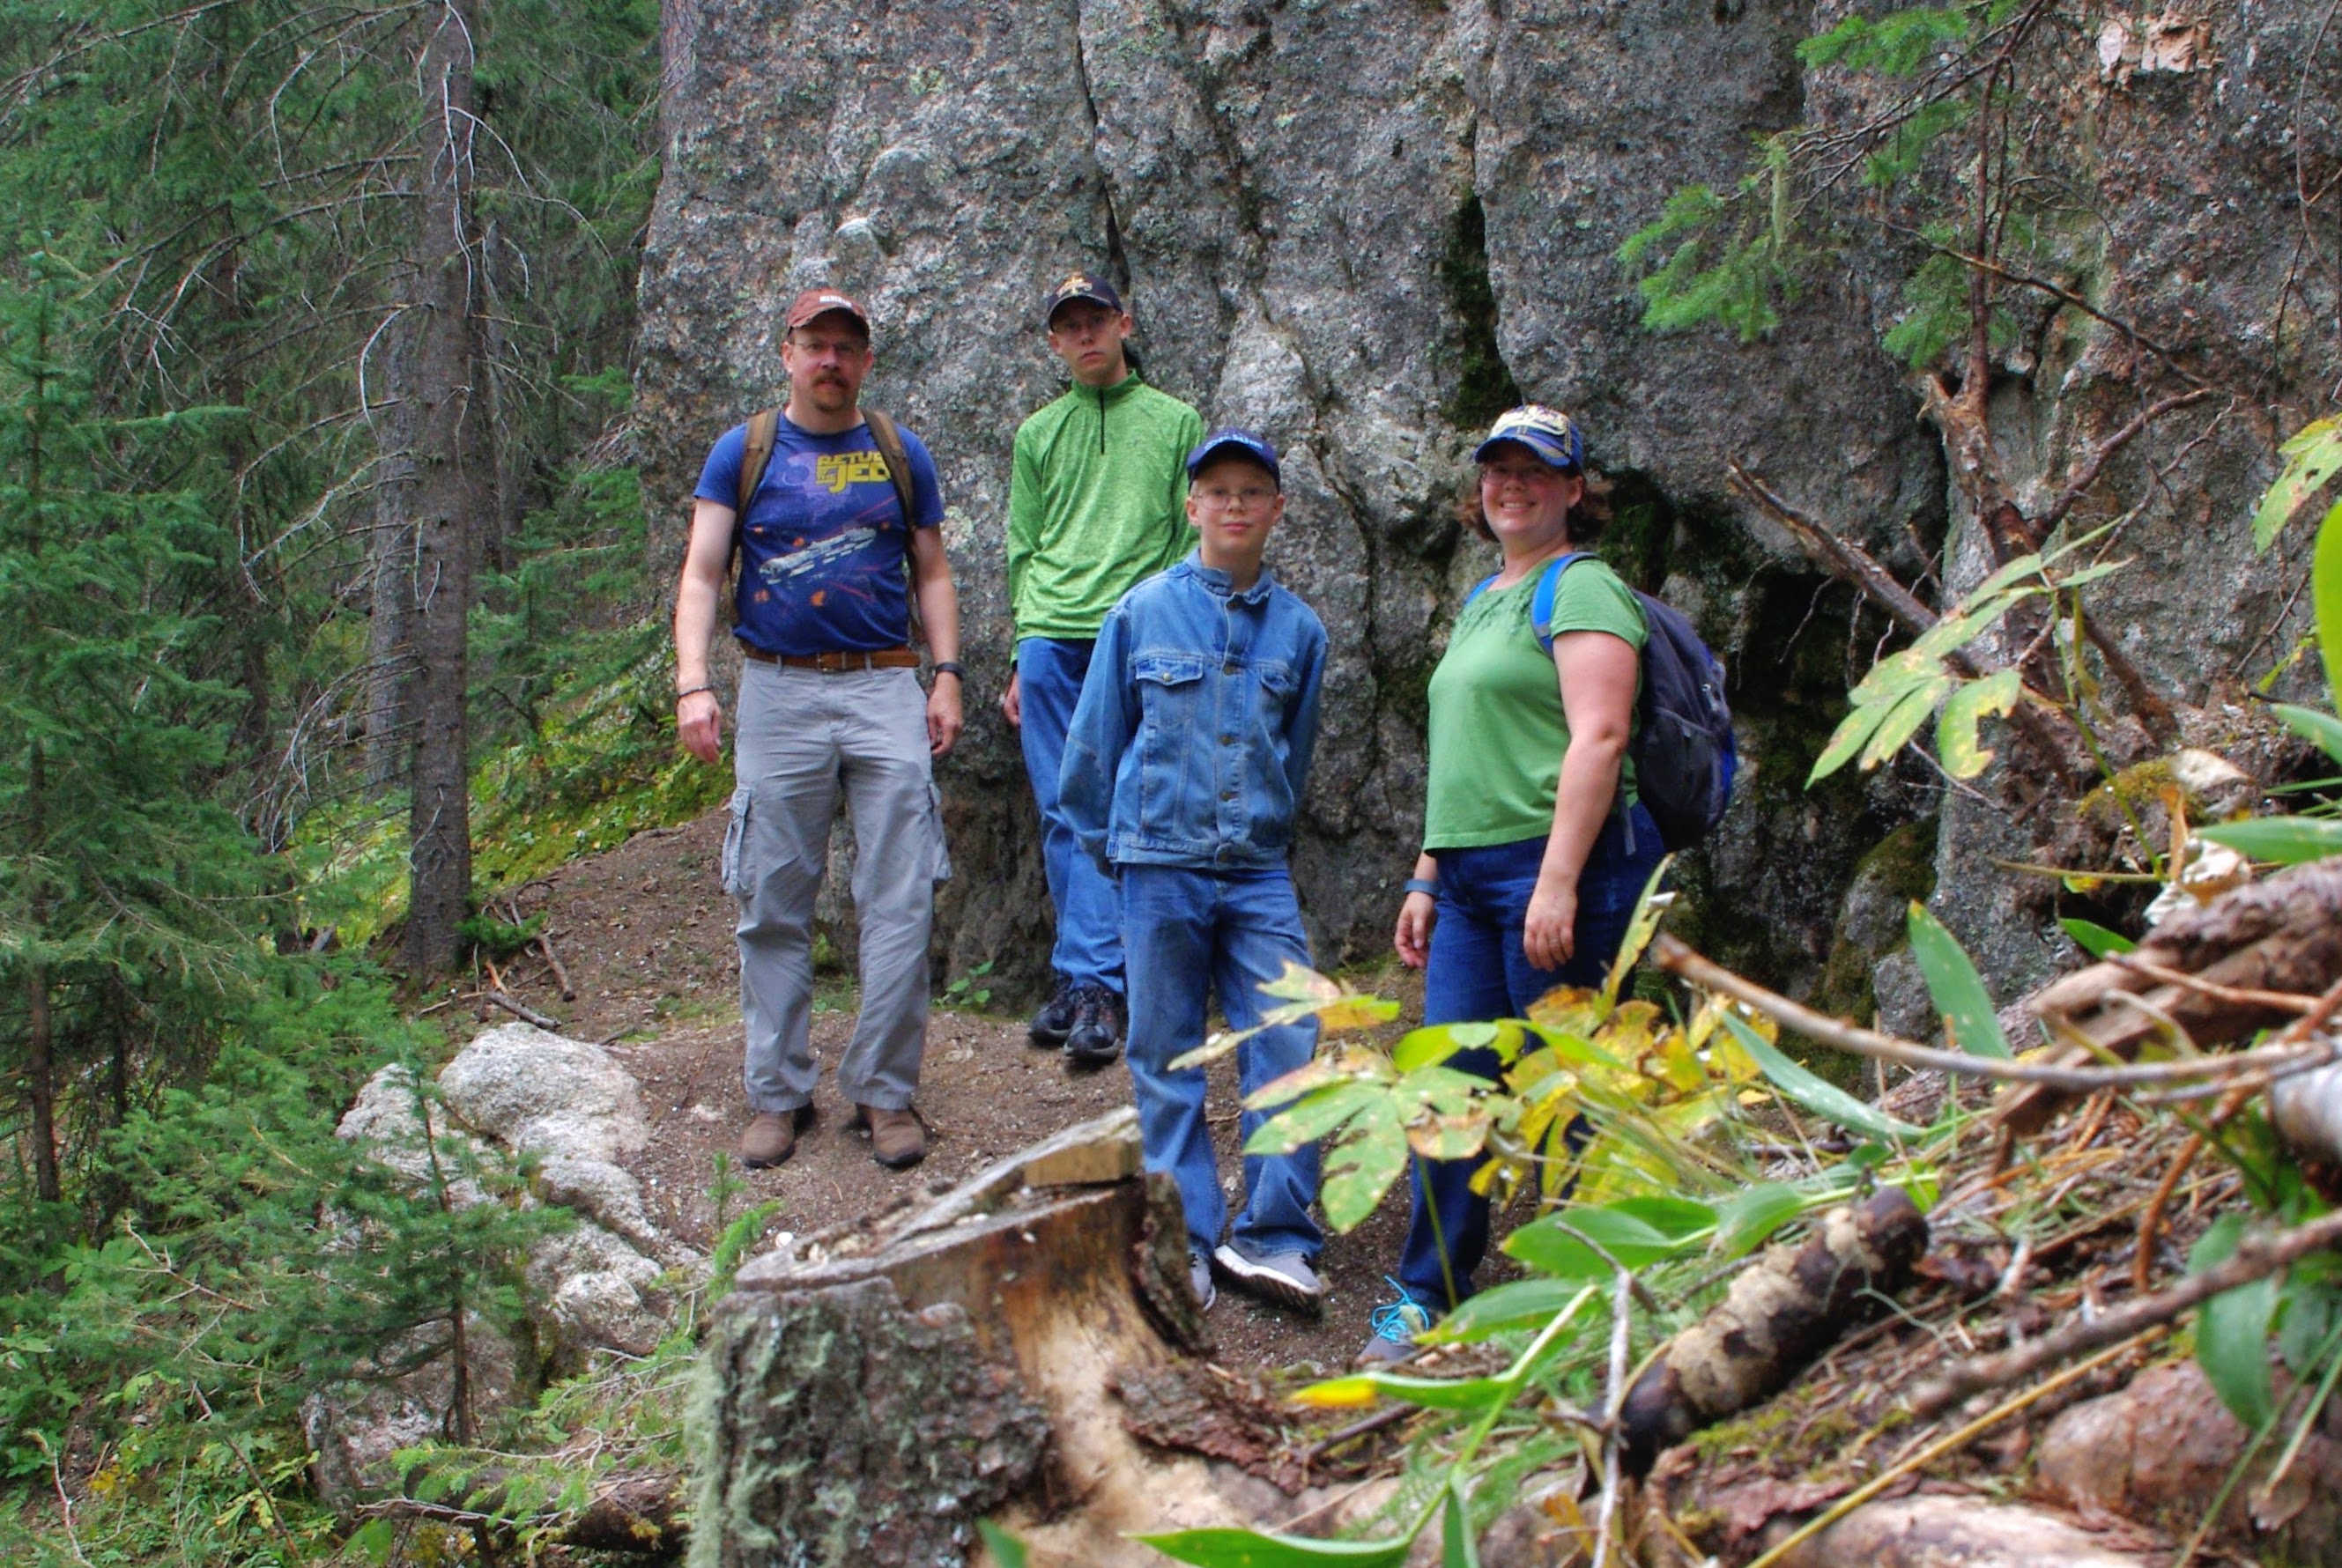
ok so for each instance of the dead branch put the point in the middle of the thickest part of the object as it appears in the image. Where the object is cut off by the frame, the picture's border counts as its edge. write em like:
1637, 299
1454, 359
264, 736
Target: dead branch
1673, 955
631, 1511
2255, 1257
1850, 562
1622, 1303
2081, 478
520, 1011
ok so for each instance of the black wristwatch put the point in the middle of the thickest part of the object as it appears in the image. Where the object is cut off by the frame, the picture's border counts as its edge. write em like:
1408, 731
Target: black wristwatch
950, 667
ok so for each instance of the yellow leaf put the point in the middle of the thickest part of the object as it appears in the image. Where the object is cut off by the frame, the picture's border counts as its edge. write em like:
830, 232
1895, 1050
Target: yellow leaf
1337, 1394
1679, 1066
1568, 1010
1449, 1137
1354, 1012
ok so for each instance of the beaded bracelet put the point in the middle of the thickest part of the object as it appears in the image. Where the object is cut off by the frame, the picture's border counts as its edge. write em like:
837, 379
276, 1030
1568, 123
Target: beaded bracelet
692, 691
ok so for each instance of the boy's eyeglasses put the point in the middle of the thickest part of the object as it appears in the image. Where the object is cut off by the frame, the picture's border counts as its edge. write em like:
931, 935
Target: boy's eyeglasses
1251, 495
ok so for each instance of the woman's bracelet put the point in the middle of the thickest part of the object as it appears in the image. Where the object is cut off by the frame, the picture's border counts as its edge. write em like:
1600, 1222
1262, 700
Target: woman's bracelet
692, 691
1423, 885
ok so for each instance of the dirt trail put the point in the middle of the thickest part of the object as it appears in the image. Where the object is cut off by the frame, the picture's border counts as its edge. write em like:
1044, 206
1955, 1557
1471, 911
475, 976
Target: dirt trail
645, 932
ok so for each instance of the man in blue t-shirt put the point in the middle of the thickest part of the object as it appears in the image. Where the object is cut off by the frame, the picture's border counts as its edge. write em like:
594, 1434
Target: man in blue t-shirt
829, 698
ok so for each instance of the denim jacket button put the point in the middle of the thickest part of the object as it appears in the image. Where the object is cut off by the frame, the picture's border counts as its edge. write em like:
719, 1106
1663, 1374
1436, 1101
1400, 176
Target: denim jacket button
1229, 668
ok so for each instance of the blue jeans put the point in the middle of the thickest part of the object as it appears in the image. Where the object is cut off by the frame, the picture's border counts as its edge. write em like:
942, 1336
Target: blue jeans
1190, 933
1088, 949
1478, 971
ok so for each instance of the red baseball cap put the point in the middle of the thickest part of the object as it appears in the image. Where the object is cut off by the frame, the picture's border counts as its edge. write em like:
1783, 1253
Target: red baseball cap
816, 302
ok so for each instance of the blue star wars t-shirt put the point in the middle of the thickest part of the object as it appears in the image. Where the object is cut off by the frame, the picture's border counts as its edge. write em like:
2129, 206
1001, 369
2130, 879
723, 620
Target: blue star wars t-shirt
823, 554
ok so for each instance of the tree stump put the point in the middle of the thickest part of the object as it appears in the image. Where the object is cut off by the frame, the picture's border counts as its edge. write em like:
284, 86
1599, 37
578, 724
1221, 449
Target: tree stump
1022, 1346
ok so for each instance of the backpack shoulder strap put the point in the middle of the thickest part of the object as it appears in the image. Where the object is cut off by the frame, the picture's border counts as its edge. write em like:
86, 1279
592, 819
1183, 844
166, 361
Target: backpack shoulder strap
758, 456
1479, 587
1548, 585
898, 464
755, 458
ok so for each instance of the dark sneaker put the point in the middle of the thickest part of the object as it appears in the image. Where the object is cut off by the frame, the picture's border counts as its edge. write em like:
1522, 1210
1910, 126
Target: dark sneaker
1395, 1324
1056, 1019
1285, 1279
1199, 1278
1101, 1017
772, 1137
898, 1139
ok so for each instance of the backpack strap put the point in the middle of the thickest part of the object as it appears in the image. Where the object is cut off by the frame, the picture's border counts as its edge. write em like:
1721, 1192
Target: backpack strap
1540, 602
1548, 586
755, 458
898, 466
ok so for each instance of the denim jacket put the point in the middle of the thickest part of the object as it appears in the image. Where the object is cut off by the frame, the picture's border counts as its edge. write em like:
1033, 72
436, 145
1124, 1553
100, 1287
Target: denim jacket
1191, 744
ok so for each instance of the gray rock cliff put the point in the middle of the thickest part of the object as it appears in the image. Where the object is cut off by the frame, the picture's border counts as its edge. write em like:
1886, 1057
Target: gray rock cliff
1365, 228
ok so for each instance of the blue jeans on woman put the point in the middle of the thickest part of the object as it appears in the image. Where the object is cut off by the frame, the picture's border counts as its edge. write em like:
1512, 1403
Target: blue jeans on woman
1190, 935
1479, 970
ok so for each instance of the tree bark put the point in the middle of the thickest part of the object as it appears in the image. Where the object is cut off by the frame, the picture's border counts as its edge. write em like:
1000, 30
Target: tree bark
1023, 1347
453, 489
1777, 1316
390, 652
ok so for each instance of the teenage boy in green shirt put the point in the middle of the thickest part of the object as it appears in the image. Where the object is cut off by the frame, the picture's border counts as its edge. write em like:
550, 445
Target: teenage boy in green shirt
1096, 504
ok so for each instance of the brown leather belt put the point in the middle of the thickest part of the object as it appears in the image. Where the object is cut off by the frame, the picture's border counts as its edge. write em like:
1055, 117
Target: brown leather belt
834, 664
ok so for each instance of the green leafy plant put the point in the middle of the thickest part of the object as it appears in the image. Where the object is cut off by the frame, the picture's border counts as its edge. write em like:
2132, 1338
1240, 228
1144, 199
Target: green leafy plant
1904, 690
968, 990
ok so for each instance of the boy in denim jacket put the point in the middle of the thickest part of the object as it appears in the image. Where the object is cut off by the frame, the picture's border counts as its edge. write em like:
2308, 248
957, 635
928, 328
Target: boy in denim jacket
1183, 771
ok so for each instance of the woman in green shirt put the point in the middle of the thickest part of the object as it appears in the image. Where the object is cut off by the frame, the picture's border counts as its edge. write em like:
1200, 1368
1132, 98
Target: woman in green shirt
1536, 849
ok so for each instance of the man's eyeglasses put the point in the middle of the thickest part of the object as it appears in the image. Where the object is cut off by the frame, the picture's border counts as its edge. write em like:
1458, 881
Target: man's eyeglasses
1250, 494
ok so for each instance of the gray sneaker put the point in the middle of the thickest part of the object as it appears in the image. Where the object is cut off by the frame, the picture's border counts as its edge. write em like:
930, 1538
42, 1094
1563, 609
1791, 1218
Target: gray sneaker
1285, 1279
1199, 1278
1395, 1324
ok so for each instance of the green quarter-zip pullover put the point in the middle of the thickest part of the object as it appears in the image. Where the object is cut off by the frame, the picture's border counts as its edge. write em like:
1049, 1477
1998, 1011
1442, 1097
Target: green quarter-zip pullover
1098, 500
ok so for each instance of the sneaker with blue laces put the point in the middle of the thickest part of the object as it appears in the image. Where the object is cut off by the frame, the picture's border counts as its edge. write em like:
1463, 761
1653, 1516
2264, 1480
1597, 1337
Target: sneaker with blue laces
1395, 1323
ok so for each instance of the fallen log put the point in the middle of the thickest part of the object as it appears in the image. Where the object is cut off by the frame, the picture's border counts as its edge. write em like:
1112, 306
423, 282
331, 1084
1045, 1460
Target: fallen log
1777, 1316
1023, 1347
2212, 972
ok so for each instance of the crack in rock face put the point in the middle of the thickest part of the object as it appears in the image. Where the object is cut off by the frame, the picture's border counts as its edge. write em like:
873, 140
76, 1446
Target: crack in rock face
1360, 227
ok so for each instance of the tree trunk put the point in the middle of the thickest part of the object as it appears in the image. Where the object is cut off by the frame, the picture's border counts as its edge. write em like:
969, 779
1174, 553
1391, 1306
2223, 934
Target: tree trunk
454, 485
390, 652
1023, 1347
40, 1065
41, 1068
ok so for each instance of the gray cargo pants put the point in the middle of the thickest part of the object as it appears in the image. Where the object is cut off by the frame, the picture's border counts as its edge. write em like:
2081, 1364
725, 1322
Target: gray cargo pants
802, 734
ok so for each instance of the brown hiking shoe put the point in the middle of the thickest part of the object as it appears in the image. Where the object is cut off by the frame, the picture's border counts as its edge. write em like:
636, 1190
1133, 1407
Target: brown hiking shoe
898, 1139
772, 1137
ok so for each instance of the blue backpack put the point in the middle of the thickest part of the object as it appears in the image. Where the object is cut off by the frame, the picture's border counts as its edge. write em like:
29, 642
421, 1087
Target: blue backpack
1685, 754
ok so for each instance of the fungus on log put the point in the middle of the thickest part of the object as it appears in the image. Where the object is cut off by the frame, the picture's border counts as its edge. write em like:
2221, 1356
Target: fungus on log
1024, 1345
2284, 934
1777, 1316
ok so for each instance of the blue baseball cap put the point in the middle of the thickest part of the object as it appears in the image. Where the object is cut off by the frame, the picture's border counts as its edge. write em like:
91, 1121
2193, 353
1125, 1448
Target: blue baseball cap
1244, 444
1549, 432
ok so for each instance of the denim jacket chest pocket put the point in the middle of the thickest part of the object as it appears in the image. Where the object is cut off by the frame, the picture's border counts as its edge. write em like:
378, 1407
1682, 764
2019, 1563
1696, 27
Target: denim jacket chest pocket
1175, 711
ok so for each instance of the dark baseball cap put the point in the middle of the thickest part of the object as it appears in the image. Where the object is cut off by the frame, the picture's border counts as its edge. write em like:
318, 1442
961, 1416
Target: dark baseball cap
1549, 433
1230, 441
816, 302
1080, 286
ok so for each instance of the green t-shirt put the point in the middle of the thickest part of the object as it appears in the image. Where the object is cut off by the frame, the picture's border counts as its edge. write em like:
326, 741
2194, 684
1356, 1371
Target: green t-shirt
1497, 732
